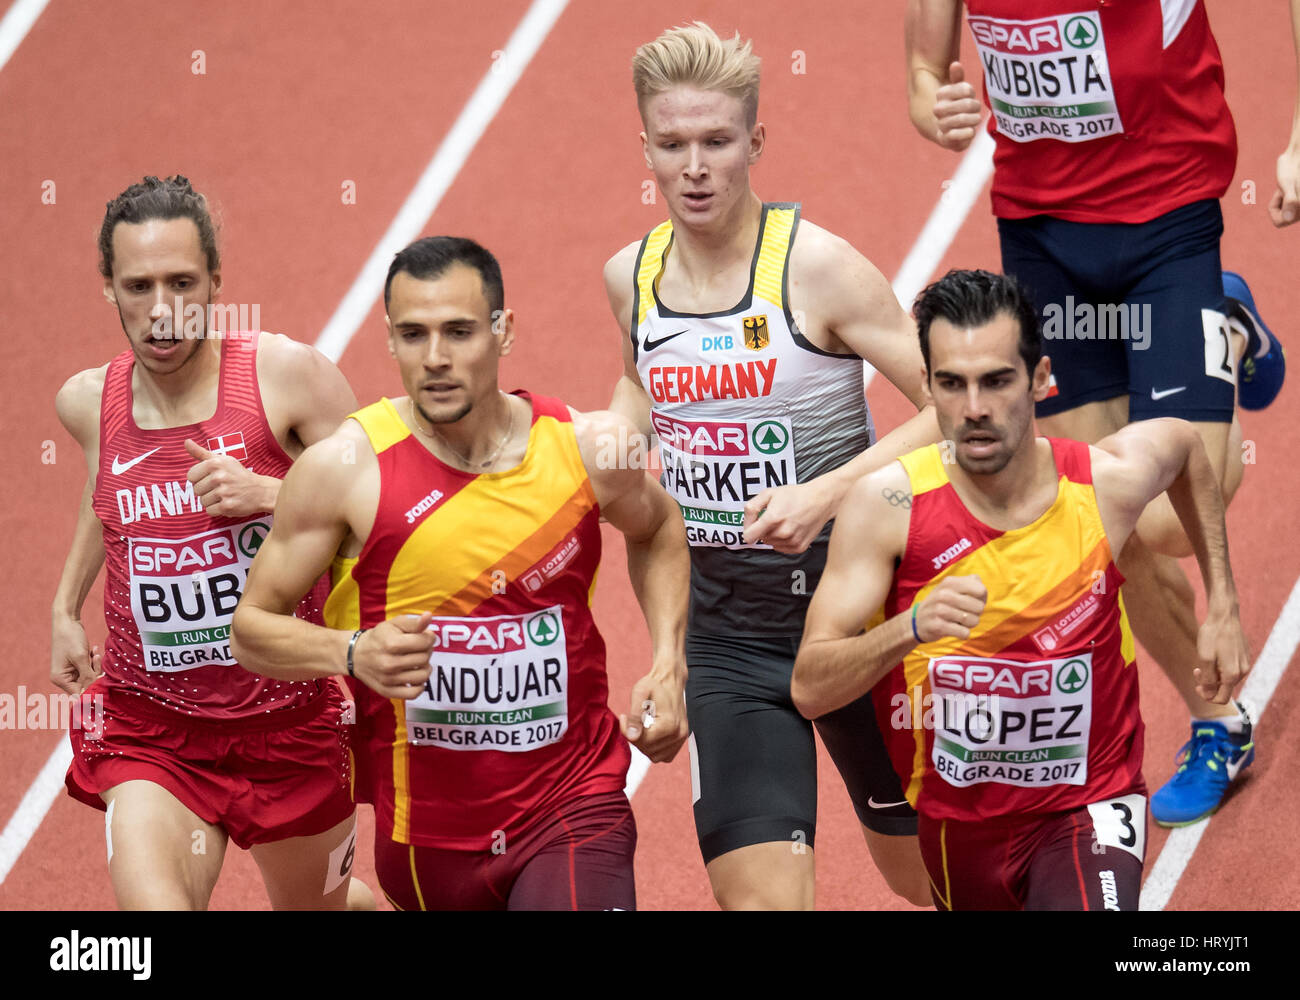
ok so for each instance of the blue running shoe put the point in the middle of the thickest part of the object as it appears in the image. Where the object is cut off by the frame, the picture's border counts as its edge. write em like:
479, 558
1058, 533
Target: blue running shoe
1263, 365
1207, 764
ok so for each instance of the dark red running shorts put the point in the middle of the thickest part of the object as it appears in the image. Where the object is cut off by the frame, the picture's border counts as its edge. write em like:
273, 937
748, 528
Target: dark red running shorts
268, 778
579, 857
1086, 859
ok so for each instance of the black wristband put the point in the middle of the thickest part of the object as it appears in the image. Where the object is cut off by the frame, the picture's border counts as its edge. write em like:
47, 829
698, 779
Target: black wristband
352, 646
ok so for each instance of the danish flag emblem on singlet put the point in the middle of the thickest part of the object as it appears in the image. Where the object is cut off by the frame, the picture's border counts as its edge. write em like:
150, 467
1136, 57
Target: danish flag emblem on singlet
229, 444
756, 337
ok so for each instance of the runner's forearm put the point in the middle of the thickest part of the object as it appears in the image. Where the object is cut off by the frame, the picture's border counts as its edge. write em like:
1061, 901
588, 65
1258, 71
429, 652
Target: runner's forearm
660, 571
82, 566
1198, 502
286, 648
922, 85
917, 432
1294, 144
831, 673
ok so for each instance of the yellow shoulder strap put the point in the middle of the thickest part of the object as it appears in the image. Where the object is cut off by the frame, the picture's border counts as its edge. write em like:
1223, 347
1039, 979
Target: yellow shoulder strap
924, 469
779, 225
382, 425
649, 266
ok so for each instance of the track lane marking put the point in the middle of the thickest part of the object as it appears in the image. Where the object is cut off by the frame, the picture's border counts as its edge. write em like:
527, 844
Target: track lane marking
18, 20
438, 176
1260, 685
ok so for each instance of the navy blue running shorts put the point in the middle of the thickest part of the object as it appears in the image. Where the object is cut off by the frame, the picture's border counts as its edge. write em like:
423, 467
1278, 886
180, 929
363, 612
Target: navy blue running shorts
1134, 309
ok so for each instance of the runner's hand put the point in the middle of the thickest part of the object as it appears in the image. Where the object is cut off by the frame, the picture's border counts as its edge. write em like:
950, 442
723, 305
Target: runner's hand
788, 517
952, 609
1221, 645
225, 487
392, 659
957, 110
74, 663
1284, 206
657, 724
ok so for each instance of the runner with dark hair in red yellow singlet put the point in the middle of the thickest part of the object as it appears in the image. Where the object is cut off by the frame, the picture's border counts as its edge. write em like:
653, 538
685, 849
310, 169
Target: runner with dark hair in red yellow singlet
463, 527
1000, 656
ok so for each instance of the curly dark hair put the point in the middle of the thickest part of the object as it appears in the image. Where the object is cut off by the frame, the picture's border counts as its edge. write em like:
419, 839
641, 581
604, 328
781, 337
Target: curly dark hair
171, 198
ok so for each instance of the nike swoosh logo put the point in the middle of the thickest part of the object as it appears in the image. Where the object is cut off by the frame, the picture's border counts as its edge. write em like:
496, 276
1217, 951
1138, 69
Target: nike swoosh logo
873, 804
1166, 392
650, 345
120, 467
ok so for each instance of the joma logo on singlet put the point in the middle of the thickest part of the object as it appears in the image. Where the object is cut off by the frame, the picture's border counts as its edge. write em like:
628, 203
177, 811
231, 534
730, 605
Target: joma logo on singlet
151, 502
423, 506
951, 553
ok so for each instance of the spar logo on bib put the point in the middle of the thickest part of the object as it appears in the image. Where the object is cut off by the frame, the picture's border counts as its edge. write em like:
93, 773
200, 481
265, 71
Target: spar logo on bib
1072, 677
185, 590
1011, 722
771, 437
498, 683
712, 467
1048, 78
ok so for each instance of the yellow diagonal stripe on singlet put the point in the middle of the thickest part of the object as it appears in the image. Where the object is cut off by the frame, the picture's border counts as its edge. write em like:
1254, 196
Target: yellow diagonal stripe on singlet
1027, 568
770, 270
652, 263
464, 548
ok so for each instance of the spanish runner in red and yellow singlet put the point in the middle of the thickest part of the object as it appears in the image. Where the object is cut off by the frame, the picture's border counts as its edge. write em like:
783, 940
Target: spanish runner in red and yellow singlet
1037, 711
513, 721
463, 528
972, 588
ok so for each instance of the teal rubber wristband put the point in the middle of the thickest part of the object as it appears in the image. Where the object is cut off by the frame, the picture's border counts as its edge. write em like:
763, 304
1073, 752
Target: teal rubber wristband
914, 631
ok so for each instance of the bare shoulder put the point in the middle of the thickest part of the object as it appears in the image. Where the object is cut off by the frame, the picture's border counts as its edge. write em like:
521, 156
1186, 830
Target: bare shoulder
78, 400
834, 268
620, 275
281, 360
878, 507
612, 448
330, 470
819, 252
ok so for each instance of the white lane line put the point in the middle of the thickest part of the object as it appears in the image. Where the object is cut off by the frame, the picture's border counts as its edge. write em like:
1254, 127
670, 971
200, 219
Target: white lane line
438, 176
636, 773
1260, 685
18, 20
946, 220
477, 114
36, 803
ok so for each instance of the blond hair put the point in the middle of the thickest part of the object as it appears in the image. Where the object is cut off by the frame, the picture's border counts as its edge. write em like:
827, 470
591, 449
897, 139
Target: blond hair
693, 55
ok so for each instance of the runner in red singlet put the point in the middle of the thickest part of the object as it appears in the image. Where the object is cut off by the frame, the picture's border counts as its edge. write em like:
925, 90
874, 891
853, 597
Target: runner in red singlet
186, 435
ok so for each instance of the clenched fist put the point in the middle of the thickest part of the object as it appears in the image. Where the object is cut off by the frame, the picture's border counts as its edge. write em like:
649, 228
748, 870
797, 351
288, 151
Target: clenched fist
952, 609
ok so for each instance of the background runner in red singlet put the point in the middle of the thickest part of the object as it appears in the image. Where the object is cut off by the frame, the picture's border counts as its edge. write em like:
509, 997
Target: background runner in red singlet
1011, 675
463, 526
186, 436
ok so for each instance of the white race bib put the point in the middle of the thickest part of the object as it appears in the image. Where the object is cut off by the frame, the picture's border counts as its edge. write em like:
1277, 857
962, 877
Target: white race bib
1011, 722
712, 467
184, 591
1048, 78
499, 683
